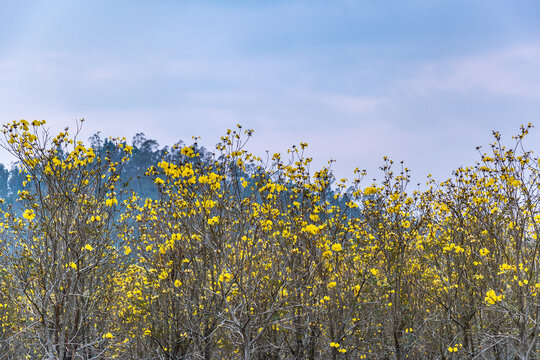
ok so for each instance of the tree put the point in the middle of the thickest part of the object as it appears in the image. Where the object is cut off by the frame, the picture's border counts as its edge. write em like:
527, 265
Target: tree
59, 250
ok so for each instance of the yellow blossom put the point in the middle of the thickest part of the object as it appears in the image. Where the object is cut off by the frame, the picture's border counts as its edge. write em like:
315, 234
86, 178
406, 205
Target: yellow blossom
492, 297
29, 214
370, 190
336, 247
312, 229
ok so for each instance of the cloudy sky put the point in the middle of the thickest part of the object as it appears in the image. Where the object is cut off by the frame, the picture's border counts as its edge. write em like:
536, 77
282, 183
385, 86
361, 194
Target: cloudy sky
420, 81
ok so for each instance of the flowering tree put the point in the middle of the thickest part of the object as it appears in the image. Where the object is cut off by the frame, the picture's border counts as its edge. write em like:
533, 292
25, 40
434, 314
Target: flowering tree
243, 258
58, 250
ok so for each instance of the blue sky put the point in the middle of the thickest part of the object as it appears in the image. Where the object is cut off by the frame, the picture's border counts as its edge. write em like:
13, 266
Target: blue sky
420, 81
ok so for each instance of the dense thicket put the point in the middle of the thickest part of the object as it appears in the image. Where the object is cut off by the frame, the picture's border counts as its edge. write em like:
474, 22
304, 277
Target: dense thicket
111, 250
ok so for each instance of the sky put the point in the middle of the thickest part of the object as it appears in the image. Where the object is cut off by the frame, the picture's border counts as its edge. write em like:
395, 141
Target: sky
419, 81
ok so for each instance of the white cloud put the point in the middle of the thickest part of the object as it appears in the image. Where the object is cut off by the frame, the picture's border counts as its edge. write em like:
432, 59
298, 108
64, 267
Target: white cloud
512, 71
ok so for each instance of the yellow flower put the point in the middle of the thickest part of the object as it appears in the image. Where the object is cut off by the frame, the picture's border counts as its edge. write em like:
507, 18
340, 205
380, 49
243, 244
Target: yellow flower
312, 229
504, 267
224, 277
163, 275
88, 247
327, 254
336, 247
484, 251
370, 190
187, 151
111, 202
127, 251
73, 265
108, 336
177, 283
29, 214
332, 285
492, 298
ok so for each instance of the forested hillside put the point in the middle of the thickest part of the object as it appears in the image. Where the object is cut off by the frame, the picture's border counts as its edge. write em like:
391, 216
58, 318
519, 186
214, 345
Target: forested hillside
145, 153
132, 251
